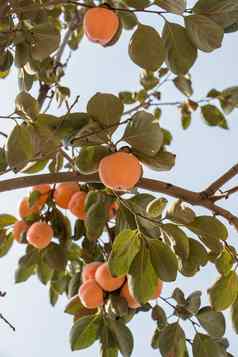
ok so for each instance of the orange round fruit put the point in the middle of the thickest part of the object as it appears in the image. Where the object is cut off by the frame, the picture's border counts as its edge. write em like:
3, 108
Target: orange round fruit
120, 171
101, 25
25, 210
89, 270
131, 300
77, 203
44, 190
158, 290
105, 279
39, 235
19, 228
63, 193
91, 294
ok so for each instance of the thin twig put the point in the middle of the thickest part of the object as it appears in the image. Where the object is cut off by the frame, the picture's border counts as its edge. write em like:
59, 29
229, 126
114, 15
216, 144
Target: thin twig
7, 322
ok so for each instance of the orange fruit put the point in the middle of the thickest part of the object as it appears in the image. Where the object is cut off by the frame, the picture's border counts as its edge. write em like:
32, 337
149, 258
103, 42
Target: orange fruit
63, 193
89, 270
39, 235
101, 25
120, 171
90, 294
105, 279
25, 210
77, 203
131, 300
44, 190
19, 228
158, 290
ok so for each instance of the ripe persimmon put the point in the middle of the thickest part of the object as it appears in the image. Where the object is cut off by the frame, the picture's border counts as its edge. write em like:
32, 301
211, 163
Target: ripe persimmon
120, 171
77, 203
91, 294
25, 210
19, 228
44, 190
105, 279
63, 193
101, 25
39, 235
89, 270
131, 300
158, 290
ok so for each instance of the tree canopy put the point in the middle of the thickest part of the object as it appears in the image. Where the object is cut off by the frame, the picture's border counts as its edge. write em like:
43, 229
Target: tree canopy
128, 234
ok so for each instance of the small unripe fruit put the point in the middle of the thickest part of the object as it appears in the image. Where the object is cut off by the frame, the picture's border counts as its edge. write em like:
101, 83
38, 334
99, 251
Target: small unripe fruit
91, 294
63, 193
39, 235
77, 204
19, 228
105, 279
89, 270
131, 300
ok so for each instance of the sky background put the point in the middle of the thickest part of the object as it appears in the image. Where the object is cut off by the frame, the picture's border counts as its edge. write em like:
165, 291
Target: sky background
203, 154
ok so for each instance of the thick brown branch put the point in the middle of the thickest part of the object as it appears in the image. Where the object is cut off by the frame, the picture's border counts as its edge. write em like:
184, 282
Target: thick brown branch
194, 198
214, 187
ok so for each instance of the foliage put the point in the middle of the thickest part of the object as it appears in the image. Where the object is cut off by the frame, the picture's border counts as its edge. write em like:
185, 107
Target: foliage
147, 237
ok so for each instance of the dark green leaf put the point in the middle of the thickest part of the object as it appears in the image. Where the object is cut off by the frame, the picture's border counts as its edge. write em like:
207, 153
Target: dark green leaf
6, 241
234, 315
178, 236
175, 6
172, 341
205, 346
212, 321
123, 337
84, 332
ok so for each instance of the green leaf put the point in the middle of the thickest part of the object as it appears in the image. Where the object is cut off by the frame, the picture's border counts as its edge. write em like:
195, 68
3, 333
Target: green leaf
27, 106
210, 227
178, 236
162, 161
124, 249
198, 256
158, 314
178, 296
84, 332
96, 218
142, 53
193, 302
138, 4
44, 272
23, 273
46, 40
172, 341
234, 315
6, 241
218, 293
184, 85
109, 347
223, 12
224, 262
156, 207
128, 19
175, 6
180, 213
212, 115
55, 257
163, 259
21, 54
123, 337
144, 134
180, 52
212, 321
19, 147
7, 220
204, 33
89, 158
142, 278
106, 109
3, 160
205, 346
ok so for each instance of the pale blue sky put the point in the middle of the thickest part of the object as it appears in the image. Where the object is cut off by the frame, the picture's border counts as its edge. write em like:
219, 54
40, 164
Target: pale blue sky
202, 154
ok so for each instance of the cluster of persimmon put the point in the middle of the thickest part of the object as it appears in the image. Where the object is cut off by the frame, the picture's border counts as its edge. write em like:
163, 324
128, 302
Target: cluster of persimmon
101, 25
97, 282
119, 171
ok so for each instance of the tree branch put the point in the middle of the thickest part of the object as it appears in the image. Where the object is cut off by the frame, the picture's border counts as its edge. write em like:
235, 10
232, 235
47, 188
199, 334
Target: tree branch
194, 198
221, 181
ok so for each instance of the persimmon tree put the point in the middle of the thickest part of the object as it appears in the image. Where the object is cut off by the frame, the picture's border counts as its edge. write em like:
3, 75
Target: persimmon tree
121, 245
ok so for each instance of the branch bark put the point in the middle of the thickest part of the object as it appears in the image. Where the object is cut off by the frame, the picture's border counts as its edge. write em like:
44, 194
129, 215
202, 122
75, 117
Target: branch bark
194, 198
